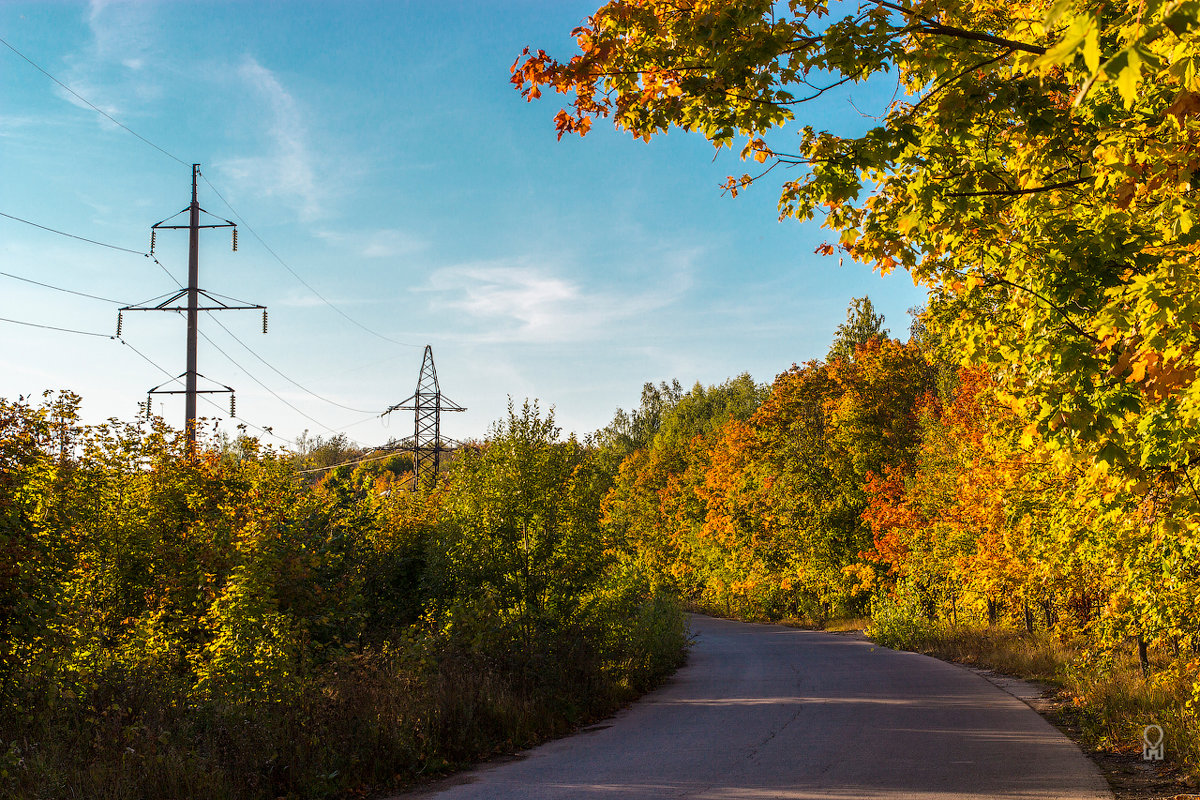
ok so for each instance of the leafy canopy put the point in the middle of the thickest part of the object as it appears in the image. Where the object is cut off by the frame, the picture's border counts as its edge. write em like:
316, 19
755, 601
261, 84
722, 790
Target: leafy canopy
1036, 173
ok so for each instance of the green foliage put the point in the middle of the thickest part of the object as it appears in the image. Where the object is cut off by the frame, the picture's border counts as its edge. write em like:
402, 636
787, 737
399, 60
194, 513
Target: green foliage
1038, 176
218, 624
521, 530
861, 325
900, 620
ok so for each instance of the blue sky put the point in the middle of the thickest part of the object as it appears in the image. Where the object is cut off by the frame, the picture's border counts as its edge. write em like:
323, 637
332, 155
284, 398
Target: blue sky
379, 150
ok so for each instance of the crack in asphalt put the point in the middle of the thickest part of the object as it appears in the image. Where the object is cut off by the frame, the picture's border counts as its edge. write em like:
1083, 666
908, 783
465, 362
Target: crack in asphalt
754, 750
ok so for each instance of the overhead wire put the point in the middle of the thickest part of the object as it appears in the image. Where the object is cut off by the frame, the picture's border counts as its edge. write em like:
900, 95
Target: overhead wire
73, 236
295, 274
218, 322
150, 256
265, 430
274, 369
91, 105
348, 463
56, 328
62, 289
174, 378
272, 392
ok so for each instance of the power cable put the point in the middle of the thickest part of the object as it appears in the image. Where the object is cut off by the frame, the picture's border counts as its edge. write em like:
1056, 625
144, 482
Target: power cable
175, 378
91, 105
265, 430
272, 392
347, 463
93, 241
56, 328
270, 366
240, 219
295, 274
73, 236
61, 289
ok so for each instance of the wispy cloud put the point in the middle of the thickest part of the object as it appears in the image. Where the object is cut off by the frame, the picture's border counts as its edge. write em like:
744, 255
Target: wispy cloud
110, 72
287, 168
382, 243
512, 301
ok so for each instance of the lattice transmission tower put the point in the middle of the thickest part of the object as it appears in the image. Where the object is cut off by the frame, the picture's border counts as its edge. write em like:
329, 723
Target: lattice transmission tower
427, 404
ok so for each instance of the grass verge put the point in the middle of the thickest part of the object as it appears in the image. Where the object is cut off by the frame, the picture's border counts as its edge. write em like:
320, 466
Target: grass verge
370, 723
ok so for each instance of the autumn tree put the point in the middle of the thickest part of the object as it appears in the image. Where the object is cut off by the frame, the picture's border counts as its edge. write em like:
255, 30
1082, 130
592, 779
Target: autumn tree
1036, 173
790, 487
862, 323
653, 511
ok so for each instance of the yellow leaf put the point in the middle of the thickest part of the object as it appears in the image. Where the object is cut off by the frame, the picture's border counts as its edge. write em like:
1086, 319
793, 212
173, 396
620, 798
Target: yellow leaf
1127, 79
1138, 372
1091, 49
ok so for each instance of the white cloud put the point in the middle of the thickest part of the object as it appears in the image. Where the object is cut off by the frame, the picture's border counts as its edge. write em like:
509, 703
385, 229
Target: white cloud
392, 244
286, 170
382, 243
510, 301
110, 72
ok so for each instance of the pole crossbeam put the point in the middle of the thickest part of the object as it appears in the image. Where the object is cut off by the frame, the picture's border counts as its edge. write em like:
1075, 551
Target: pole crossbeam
193, 293
427, 404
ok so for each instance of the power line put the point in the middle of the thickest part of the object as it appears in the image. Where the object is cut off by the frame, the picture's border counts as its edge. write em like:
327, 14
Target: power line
348, 463
252, 377
91, 105
56, 328
150, 256
61, 289
73, 236
240, 219
295, 274
160, 368
270, 366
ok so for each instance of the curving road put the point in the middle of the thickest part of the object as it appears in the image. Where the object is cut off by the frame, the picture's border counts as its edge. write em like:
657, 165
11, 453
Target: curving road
764, 711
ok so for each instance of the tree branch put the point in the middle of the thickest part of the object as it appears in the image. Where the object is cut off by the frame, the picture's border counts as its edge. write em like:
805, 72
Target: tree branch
936, 28
935, 90
1018, 192
1062, 312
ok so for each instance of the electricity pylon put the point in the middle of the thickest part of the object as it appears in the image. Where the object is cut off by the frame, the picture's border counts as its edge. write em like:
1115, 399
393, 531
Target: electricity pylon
427, 404
193, 293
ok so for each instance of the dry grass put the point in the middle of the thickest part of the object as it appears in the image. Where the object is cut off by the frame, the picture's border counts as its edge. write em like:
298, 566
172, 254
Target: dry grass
1038, 656
846, 625
370, 723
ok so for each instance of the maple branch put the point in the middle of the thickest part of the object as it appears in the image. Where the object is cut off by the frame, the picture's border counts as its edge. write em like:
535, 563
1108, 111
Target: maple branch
1187, 474
1062, 312
818, 91
936, 28
1018, 192
935, 90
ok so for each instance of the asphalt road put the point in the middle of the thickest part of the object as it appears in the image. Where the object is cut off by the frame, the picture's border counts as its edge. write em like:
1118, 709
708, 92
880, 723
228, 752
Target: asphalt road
763, 711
